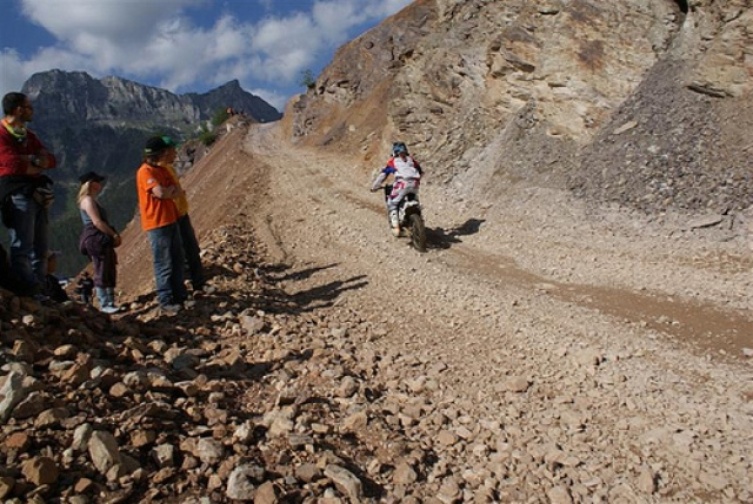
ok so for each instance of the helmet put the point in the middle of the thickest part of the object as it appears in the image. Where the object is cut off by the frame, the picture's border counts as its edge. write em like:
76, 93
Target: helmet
399, 148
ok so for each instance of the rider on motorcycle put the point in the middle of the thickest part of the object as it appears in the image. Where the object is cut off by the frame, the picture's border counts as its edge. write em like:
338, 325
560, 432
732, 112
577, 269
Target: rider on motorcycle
407, 174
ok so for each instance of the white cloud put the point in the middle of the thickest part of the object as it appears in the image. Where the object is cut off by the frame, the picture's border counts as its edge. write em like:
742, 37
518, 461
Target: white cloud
334, 18
112, 20
379, 10
159, 43
12, 72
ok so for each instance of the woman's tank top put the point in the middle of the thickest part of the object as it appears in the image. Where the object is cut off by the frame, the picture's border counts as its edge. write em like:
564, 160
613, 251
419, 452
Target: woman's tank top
88, 220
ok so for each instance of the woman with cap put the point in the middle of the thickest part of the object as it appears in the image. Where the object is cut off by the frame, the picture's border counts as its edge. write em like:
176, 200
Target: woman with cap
98, 240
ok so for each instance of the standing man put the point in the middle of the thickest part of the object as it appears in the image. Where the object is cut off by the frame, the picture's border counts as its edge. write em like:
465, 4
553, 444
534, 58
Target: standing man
159, 218
25, 193
191, 249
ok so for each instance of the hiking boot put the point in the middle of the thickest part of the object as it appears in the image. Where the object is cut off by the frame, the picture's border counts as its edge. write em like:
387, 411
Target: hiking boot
396, 231
109, 309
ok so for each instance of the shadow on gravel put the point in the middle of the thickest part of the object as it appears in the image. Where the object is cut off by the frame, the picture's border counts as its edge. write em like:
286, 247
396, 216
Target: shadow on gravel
325, 295
439, 238
297, 275
214, 270
371, 489
304, 301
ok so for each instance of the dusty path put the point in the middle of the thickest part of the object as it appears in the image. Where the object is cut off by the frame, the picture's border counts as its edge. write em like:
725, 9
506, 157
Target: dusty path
618, 341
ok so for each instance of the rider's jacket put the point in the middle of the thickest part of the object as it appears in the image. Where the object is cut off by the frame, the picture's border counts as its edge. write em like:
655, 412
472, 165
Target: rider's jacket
405, 169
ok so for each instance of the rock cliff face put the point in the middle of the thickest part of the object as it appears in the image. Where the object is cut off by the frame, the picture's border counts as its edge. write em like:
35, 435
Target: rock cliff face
638, 102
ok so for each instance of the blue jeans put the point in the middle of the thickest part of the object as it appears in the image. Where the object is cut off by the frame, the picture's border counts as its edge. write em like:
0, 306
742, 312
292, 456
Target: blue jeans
192, 252
167, 251
28, 240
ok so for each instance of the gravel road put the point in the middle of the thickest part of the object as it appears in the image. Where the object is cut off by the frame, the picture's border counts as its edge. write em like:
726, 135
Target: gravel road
617, 342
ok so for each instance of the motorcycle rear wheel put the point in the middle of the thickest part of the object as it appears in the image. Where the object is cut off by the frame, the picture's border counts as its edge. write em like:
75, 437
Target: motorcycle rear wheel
417, 232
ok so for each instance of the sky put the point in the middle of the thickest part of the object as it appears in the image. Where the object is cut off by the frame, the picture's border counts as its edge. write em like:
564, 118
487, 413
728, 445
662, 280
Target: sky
183, 45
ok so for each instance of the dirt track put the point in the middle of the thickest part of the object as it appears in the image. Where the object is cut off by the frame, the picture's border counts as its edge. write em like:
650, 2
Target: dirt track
633, 324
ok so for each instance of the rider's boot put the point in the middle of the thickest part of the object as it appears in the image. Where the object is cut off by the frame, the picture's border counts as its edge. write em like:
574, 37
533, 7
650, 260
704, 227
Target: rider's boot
394, 223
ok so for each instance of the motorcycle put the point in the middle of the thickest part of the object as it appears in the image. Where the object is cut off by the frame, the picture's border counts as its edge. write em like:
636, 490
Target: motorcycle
410, 219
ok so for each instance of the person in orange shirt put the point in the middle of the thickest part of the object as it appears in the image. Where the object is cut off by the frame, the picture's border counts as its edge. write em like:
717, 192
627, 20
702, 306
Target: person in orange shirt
158, 192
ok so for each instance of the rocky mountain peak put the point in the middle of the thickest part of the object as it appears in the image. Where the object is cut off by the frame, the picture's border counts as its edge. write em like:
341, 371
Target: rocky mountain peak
116, 101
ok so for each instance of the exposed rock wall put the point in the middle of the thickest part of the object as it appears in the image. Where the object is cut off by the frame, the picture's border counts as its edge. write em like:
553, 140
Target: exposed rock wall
491, 93
682, 139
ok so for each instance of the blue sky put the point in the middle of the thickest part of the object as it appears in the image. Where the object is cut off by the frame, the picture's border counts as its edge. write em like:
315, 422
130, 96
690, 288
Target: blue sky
183, 45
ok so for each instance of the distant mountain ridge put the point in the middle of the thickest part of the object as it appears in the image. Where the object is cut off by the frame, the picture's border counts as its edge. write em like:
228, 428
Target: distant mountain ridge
101, 125
119, 102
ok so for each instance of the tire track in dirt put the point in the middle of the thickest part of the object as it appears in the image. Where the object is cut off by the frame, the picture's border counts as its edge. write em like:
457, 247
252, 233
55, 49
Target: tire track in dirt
701, 325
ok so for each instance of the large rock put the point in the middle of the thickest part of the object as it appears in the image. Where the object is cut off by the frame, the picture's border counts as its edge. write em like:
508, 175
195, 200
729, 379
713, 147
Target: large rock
11, 393
104, 451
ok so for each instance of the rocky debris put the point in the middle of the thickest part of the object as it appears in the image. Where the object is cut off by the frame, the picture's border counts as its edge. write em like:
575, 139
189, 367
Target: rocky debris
12, 393
512, 394
247, 396
685, 158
